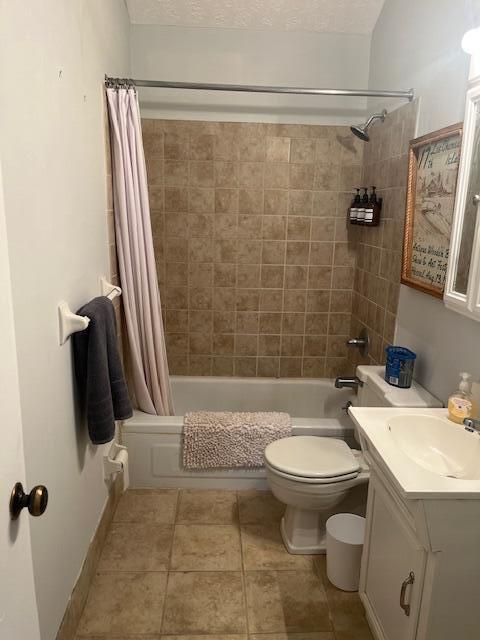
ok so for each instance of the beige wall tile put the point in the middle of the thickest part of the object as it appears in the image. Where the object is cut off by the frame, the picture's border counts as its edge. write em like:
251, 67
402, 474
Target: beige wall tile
201, 147
251, 243
251, 201
268, 367
276, 176
201, 174
302, 150
200, 200
272, 276
250, 175
275, 201
277, 149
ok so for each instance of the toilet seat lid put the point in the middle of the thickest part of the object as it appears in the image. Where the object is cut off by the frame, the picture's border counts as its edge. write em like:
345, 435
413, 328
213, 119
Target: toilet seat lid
312, 457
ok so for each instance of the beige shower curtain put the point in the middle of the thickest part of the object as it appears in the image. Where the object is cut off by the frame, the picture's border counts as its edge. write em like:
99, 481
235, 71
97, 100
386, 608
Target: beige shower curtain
136, 258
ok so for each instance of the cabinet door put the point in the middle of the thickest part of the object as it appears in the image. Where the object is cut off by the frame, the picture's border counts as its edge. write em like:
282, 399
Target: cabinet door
393, 559
462, 288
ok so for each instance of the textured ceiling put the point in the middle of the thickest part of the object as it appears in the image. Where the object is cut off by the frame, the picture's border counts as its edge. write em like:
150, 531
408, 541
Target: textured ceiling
334, 16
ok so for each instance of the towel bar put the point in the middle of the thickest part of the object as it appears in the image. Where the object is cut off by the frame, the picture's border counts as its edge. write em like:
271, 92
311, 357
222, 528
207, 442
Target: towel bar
109, 290
70, 322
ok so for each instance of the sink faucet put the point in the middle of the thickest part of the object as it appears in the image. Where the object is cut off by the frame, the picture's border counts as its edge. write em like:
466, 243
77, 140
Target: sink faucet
352, 383
472, 425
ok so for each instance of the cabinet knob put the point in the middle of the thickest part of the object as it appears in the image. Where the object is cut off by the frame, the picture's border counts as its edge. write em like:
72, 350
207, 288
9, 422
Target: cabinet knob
36, 501
403, 590
476, 199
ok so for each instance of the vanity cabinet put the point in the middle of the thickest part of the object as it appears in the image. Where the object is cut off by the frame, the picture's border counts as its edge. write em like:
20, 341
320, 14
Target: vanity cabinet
393, 566
420, 564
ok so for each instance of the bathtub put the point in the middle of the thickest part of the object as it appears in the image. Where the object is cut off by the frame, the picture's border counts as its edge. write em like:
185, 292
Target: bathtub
154, 442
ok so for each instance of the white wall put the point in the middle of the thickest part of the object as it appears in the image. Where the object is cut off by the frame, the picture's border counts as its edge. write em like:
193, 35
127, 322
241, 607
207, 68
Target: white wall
249, 57
53, 55
418, 44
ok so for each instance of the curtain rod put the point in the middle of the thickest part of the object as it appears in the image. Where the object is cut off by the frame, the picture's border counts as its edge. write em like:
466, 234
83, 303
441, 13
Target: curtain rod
249, 88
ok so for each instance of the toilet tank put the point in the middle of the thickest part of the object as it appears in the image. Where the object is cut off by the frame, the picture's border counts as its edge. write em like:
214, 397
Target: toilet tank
375, 392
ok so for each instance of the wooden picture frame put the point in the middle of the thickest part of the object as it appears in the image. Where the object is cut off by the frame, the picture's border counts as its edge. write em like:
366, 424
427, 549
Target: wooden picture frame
433, 162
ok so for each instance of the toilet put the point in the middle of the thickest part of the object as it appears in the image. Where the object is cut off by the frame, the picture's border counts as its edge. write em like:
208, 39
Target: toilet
316, 477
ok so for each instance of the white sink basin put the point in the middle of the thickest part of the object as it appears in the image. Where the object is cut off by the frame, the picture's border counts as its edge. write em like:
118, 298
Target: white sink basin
438, 445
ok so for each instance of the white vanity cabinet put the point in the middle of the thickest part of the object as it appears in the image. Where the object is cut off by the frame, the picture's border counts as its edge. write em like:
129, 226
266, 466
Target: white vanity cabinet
393, 566
420, 574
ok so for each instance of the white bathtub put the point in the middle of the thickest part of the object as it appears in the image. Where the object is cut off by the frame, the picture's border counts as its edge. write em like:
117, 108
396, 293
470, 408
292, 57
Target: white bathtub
154, 442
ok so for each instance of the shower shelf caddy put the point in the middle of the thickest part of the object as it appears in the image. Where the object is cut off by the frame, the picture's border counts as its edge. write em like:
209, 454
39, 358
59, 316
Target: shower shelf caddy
70, 322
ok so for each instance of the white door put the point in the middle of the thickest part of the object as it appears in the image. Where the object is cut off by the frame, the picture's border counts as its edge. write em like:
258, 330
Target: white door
18, 607
395, 567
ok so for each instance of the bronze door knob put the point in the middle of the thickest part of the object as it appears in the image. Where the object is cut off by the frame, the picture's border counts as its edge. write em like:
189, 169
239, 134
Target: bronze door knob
36, 501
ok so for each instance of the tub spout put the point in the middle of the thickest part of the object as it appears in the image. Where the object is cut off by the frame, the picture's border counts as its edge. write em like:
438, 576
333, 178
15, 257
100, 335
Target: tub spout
352, 383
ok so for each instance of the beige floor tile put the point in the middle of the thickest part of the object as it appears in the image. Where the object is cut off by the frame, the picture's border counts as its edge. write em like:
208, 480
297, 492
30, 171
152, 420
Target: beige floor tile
208, 637
358, 634
286, 601
136, 547
346, 609
129, 637
259, 507
204, 603
125, 603
263, 548
206, 547
315, 635
147, 505
207, 507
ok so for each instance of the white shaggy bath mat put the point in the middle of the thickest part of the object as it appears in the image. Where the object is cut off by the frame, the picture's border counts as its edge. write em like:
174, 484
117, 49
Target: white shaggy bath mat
230, 440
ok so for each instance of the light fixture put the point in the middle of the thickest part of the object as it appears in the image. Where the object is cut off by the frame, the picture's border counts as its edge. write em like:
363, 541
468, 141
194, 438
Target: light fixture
471, 41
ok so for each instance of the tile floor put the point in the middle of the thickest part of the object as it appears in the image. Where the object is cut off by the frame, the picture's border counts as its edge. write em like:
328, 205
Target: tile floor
197, 563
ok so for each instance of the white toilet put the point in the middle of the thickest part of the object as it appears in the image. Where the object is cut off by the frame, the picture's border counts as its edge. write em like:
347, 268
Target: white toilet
318, 476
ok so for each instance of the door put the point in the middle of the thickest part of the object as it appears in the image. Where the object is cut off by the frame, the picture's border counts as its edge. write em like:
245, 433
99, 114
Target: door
18, 607
395, 566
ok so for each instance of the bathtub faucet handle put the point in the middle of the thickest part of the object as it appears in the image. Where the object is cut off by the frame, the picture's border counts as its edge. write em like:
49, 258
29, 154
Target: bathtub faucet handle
362, 343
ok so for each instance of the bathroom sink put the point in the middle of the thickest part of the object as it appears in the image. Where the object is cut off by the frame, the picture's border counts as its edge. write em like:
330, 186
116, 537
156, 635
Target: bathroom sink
438, 445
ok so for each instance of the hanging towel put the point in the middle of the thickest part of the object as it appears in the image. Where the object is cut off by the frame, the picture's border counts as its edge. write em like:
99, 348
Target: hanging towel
98, 370
229, 440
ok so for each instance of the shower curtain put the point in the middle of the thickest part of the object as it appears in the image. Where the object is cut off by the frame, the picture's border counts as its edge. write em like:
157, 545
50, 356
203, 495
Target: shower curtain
136, 258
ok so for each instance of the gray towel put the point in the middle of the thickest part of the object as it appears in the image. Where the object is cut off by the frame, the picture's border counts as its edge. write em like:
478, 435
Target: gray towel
98, 370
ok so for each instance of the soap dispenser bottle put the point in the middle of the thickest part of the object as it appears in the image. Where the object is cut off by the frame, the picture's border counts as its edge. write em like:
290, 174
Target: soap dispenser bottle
461, 403
353, 211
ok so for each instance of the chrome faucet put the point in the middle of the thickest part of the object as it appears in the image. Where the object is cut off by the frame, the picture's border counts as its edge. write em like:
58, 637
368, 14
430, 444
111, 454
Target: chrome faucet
472, 425
352, 383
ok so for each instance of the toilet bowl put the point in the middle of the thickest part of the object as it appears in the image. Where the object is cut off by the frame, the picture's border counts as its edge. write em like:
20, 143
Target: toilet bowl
315, 477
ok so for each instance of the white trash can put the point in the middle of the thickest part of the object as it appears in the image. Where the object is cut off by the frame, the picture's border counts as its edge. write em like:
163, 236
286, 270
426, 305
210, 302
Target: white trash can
345, 536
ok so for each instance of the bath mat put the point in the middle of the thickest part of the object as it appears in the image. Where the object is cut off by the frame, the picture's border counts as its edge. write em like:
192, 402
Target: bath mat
230, 440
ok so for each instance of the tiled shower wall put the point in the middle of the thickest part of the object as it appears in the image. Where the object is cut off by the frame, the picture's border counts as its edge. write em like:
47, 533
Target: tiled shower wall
254, 258
379, 249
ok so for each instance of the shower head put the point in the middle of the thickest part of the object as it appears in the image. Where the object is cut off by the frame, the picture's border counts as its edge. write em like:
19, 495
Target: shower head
361, 130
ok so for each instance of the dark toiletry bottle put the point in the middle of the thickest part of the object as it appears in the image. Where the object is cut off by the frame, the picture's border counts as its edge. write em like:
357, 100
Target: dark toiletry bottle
363, 206
369, 207
375, 207
353, 211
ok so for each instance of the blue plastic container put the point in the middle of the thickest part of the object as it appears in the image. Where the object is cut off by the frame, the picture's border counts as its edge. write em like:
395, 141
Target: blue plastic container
399, 367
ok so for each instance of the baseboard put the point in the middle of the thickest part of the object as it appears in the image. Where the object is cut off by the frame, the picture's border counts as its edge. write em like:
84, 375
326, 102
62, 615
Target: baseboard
78, 598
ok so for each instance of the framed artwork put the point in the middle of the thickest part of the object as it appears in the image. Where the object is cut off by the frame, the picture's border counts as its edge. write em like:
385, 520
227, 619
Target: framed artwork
433, 163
